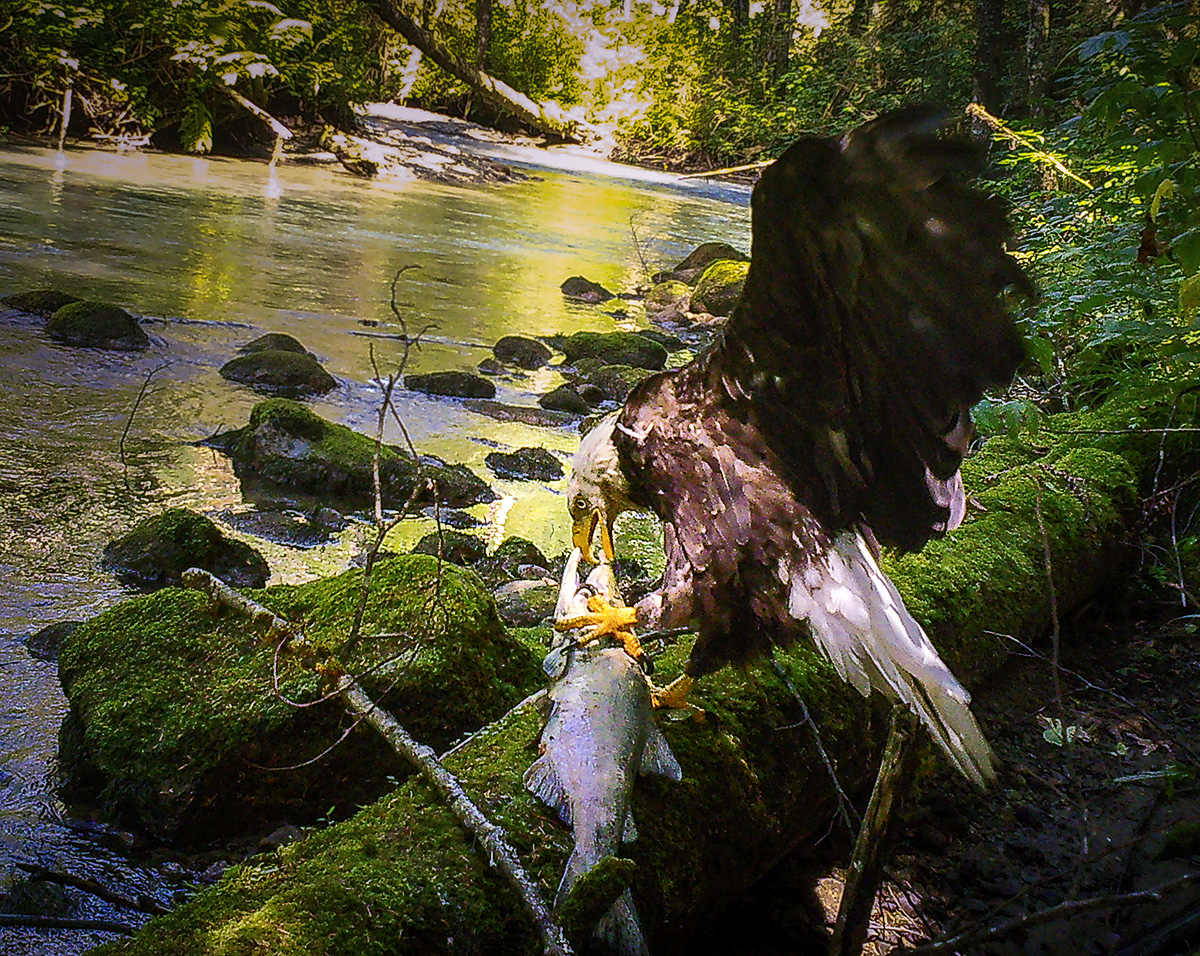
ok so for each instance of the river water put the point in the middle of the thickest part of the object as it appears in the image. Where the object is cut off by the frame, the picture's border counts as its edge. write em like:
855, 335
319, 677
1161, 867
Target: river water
217, 252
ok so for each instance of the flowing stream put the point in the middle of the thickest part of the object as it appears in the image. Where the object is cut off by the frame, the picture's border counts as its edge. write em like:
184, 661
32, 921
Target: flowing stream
216, 252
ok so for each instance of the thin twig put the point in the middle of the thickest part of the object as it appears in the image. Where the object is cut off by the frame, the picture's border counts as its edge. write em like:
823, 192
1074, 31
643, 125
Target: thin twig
143, 903
133, 411
58, 922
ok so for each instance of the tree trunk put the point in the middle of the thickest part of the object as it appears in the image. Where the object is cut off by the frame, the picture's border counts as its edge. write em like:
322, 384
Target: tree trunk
1037, 39
779, 40
546, 118
988, 20
483, 30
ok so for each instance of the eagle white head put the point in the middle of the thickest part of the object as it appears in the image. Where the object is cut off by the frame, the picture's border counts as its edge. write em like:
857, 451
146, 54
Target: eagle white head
597, 490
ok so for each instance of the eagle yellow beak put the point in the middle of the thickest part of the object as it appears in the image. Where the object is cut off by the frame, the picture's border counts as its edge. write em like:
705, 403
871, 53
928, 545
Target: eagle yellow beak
582, 531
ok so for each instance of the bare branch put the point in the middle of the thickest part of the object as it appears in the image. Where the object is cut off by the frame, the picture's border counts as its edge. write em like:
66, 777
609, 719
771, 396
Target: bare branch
143, 903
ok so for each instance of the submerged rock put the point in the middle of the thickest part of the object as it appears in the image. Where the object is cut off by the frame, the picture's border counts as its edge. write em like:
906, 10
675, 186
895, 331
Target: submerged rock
180, 726
585, 290
292, 447
527, 414
522, 351
525, 464
612, 348
451, 384
96, 325
281, 372
159, 549
43, 302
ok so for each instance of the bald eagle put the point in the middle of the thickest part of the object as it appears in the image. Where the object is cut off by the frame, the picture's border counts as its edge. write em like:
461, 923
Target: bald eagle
831, 415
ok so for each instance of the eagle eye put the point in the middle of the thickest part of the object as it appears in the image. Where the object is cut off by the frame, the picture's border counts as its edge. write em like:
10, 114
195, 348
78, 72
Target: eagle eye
579, 506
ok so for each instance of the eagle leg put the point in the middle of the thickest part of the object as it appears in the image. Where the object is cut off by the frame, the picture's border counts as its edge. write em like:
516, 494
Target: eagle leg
674, 695
608, 620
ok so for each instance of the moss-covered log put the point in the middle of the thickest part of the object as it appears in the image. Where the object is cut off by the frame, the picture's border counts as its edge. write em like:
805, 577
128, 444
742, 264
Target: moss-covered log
400, 877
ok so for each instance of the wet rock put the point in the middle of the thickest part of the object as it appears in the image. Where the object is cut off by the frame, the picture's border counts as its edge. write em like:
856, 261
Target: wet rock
526, 603
491, 366
273, 341
584, 290
521, 351
525, 464
44, 302
451, 384
280, 836
176, 712
668, 301
455, 546
159, 549
285, 527
96, 325
453, 518
29, 897
515, 558
700, 259
45, 644
612, 348
526, 414
288, 446
278, 372
615, 382
565, 398
672, 343
719, 287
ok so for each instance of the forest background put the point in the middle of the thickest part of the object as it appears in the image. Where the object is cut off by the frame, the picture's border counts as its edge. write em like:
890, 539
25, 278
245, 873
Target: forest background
1090, 109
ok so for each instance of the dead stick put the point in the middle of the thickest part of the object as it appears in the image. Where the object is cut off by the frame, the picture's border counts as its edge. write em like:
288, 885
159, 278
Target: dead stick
500, 853
875, 836
143, 903
277, 127
57, 922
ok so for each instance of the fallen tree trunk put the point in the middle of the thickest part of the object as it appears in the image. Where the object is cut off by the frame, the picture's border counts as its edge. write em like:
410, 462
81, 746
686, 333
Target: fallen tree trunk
546, 118
400, 877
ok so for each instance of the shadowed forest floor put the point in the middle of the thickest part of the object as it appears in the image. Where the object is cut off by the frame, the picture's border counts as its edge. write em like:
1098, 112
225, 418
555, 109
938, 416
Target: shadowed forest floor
1066, 824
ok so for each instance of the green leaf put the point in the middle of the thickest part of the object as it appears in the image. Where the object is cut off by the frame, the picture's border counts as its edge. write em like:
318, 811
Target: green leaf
1042, 350
196, 129
1187, 251
1189, 298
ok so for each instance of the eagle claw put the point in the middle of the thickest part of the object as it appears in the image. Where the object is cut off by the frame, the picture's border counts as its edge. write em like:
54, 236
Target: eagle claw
608, 620
674, 695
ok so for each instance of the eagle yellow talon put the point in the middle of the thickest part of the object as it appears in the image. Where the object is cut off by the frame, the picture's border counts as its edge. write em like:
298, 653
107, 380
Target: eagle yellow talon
674, 695
606, 620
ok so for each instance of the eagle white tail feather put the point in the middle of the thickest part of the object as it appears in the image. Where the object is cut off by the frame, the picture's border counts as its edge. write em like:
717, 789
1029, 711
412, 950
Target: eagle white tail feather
859, 621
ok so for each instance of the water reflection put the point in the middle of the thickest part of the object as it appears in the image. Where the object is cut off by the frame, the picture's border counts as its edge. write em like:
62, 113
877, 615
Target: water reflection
222, 251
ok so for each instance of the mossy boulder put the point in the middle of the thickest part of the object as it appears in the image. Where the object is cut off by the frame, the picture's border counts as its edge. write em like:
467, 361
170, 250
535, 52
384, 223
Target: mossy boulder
514, 558
522, 351
177, 724
451, 384
157, 551
292, 447
612, 348
754, 786
719, 287
615, 382
273, 341
43, 302
565, 398
457, 547
96, 325
526, 464
280, 372
700, 259
668, 300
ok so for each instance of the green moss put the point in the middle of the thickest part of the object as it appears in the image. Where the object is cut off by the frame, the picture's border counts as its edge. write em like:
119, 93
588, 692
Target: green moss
612, 348
282, 370
719, 286
594, 894
667, 295
39, 301
96, 325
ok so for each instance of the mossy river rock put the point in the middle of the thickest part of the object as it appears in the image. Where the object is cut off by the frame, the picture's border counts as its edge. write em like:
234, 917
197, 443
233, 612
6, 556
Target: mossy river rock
96, 325
287, 445
44, 302
612, 348
177, 726
280, 371
159, 549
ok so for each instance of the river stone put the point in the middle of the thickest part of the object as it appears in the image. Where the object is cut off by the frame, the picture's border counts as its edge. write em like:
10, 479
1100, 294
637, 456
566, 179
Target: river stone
526, 603
280, 372
526, 414
159, 549
177, 716
585, 290
451, 384
525, 464
719, 288
292, 447
456, 547
668, 300
700, 259
96, 325
612, 348
44, 302
45, 644
565, 398
515, 558
285, 527
279, 341
522, 351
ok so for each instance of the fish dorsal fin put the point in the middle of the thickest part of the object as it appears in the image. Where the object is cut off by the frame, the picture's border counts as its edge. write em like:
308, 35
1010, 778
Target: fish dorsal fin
657, 757
629, 834
541, 780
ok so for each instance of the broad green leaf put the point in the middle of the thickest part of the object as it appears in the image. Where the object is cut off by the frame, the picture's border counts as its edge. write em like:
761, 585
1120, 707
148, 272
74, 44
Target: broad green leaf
1187, 251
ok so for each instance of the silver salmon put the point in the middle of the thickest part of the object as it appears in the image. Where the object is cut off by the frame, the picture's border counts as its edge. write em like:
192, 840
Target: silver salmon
599, 736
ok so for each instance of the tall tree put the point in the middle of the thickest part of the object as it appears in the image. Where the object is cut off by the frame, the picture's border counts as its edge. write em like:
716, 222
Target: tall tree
1037, 38
989, 16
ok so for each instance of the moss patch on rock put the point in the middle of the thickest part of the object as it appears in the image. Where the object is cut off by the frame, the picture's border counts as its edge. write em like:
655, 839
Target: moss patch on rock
280, 372
719, 287
43, 302
178, 720
288, 445
159, 549
612, 348
96, 325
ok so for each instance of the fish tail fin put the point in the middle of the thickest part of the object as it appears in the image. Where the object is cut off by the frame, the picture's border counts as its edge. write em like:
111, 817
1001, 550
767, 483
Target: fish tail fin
619, 933
575, 868
859, 621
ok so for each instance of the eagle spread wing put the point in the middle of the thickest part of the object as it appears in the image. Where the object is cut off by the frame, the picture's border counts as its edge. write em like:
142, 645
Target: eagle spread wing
873, 317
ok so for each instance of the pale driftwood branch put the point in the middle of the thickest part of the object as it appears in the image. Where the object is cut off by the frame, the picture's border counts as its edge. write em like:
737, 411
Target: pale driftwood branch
875, 835
1061, 911
143, 903
500, 852
277, 127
